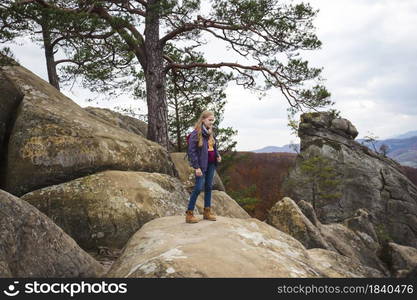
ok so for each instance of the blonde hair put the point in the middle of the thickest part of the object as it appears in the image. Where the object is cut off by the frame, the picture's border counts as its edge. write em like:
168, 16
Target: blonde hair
204, 115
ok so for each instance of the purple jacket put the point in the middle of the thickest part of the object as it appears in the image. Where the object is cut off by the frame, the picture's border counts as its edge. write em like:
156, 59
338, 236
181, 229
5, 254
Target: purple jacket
199, 156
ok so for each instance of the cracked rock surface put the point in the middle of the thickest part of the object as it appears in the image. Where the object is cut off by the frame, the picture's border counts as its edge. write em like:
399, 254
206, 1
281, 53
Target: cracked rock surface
34, 246
228, 247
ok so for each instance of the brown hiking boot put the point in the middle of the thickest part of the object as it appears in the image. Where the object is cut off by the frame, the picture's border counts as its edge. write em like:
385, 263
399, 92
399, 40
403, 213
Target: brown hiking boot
208, 215
189, 217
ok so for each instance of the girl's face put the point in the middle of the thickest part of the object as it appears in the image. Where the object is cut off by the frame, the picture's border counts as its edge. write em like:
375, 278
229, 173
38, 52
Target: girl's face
209, 121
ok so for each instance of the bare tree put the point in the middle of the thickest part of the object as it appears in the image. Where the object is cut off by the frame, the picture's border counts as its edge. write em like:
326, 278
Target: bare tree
384, 149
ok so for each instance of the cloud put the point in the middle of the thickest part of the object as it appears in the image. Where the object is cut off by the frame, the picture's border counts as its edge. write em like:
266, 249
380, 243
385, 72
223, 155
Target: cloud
369, 58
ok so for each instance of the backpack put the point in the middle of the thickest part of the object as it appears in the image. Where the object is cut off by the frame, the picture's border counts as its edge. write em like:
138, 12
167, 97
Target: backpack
186, 156
187, 139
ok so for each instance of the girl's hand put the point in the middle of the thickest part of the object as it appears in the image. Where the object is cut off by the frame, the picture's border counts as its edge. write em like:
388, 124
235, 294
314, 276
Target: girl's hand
198, 172
219, 158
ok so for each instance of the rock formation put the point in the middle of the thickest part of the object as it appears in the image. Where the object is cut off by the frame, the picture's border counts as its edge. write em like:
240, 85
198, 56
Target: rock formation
402, 260
90, 180
367, 180
222, 204
53, 140
33, 246
119, 120
8, 106
229, 247
357, 244
107, 208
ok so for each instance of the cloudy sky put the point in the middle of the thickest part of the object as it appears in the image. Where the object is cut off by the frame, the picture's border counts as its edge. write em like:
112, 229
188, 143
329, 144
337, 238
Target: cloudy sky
369, 55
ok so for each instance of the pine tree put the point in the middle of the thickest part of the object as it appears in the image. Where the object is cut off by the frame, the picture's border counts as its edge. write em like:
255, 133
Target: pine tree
269, 34
322, 179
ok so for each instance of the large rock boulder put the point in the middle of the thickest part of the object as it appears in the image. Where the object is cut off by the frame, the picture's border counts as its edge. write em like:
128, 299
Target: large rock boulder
334, 265
109, 206
401, 260
33, 246
129, 123
117, 119
358, 247
10, 98
54, 140
362, 179
222, 204
187, 173
361, 223
228, 247
286, 216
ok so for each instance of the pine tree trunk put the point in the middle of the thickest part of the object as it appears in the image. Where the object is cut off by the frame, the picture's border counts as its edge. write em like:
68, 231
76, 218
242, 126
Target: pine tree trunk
50, 60
314, 197
178, 122
177, 115
155, 79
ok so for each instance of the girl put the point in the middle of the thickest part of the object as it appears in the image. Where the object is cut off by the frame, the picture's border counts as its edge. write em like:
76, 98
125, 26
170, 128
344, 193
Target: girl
202, 150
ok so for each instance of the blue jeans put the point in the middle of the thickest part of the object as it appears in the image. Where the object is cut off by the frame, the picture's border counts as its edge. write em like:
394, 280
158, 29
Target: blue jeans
205, 180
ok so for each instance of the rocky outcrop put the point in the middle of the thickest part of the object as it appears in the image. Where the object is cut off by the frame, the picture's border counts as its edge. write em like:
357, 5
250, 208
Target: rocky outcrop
109, 206
286, 216
128, 123
90, 171
53, 140
401, 260
187, 173
117, 119
334, 265
363, 179
356, 244
33, 246
8, 106
229, 247
222, 204
94, 174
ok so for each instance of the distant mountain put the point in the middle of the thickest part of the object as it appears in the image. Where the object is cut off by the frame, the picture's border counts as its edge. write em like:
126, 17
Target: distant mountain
270, 149
403, 148
405, 135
